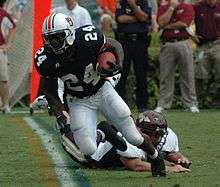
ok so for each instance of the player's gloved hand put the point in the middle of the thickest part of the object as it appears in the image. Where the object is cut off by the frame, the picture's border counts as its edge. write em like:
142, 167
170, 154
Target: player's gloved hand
114, 69
158, 168
63, 122
39, 103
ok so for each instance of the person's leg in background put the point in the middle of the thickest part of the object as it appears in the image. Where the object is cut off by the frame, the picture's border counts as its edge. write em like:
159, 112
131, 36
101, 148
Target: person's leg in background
140, 60
4, 88
202, 72
4, 93
167, 69
121, 87
216, 71
187, 79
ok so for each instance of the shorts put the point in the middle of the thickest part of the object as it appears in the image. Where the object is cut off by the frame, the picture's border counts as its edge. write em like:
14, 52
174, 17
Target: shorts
3, 66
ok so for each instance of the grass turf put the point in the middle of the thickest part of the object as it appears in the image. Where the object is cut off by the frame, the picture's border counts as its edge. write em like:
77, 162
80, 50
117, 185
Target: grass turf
18, 166
199, 140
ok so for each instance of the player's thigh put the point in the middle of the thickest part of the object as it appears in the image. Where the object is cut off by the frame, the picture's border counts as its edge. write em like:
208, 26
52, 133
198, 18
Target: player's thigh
118, 113
113, 106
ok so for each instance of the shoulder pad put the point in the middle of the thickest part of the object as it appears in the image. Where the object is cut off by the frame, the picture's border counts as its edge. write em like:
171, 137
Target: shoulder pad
45, 62
89, 36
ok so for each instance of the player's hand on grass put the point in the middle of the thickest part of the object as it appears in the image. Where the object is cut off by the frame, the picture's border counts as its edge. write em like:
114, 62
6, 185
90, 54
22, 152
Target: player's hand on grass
183, 161
177, 168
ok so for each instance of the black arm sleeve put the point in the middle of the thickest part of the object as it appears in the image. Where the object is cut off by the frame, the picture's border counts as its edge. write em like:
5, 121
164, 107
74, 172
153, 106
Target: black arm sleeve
49, 87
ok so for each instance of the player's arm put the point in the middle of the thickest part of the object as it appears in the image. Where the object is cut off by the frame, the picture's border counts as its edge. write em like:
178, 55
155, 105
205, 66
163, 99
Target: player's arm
49, 87
45, 64
136, 164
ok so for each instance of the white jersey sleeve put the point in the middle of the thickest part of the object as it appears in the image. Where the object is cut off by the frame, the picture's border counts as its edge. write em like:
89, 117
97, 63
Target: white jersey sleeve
171, 144
133, 152
101, 150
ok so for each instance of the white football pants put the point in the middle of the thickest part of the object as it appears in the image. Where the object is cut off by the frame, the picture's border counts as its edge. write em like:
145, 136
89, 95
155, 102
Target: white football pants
84, 114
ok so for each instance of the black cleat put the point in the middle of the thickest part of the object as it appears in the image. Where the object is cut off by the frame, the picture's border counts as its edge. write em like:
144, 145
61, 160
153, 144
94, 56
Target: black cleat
158, 168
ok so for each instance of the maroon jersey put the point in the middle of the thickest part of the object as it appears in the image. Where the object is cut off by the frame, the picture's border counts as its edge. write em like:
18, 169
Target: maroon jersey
184, 13
207, 20
6, 23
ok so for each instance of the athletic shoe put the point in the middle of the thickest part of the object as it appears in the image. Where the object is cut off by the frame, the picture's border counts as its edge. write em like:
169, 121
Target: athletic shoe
194, 109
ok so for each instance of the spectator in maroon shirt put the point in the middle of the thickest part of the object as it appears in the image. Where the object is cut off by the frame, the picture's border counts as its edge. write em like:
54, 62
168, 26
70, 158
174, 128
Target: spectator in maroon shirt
207, 21
7, 32
174, 18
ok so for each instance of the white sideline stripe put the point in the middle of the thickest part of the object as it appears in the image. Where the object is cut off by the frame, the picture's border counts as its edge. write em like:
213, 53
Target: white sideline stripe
62, 172
26, 112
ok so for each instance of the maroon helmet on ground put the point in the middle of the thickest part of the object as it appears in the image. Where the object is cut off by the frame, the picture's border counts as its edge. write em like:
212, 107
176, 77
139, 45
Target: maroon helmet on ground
154, 125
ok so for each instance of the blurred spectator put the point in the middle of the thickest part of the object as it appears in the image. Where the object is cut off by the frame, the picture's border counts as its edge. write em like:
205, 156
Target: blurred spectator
154, 9
15, 8
7, 32
79, 14
107, 12
133, 18
207, 20
176, 48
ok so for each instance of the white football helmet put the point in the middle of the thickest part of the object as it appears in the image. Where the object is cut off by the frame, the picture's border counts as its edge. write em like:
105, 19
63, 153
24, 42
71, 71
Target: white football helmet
58, 32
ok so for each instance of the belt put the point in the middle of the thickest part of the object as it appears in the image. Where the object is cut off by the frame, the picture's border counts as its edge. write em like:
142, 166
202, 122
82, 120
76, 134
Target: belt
132, 36
174, 40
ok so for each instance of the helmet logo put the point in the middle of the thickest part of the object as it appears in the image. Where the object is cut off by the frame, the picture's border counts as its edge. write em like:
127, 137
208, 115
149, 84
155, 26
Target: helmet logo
70, 21
144, 118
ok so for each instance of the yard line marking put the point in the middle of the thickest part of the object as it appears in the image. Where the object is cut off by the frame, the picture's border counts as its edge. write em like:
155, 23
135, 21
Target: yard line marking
62, 172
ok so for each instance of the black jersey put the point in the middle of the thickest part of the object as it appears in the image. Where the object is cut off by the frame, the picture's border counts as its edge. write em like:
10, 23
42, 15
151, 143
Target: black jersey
77, 67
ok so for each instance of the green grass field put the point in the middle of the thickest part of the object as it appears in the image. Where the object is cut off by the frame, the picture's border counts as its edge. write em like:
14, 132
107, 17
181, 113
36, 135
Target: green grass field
26, 162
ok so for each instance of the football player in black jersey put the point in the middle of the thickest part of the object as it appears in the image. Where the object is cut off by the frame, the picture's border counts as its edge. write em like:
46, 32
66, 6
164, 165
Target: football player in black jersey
71, 55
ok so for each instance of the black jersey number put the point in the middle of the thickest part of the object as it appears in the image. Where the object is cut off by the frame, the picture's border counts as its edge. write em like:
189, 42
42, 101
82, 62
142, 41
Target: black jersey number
90, 77
91, 36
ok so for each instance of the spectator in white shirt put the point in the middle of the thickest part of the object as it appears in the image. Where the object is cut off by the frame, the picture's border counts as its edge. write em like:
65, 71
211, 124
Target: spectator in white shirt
79, 14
